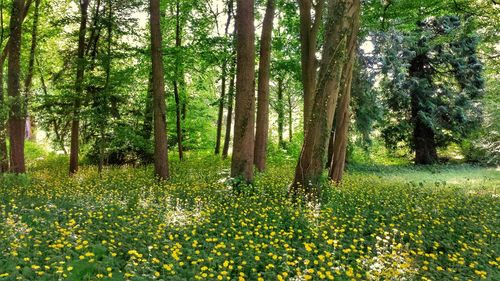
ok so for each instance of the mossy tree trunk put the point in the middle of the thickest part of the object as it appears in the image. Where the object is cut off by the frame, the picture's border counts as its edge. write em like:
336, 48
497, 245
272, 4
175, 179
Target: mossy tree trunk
338, 27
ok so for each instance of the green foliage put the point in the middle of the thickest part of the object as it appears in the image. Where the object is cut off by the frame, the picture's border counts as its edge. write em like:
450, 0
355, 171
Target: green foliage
444, 85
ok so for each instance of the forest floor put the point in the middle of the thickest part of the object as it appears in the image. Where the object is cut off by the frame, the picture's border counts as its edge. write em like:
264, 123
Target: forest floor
382, 223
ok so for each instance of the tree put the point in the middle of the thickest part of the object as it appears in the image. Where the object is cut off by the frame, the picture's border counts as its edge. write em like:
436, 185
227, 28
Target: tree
262, 126
177, 74
343, 114
31, 68
309, 28
159, 106
437, 101
243, 139
80, 72
341, 18
17, 120
225, 62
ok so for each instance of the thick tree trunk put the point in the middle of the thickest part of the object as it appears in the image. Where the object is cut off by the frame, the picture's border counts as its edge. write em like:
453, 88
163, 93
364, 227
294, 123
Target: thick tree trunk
159, 106
243, 141
17, 119
308, 173
223, 82
80, 71
342, 118
230, 101
262, 126
308, 41
281, 113
341, 127
29, 76
423, 136
178, 106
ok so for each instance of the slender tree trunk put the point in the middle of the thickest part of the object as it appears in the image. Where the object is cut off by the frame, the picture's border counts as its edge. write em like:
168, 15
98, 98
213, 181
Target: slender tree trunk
223, 82
159, 106
178, 46
29, 76
17, 119
308, 173
107, 89
80, 71
262, 127
290, 117
4, 154
308, 40
147, 127
243, 141
230, 101
221, 110
281, 112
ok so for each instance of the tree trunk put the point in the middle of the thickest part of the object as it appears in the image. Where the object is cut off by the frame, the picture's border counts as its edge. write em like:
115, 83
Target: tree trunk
80, 71
230, 98
29, 75
308, 42
107, 90
339, 139
290, 118
281, 113
17, 119
4, 154
308, 174
178, 46
159, 106
341, 127
223, 82
262, 127
221, 109
243, 140
147, 126
423, 135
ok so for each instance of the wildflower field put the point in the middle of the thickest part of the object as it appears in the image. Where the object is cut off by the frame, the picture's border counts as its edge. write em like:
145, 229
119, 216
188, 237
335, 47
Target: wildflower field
436, 223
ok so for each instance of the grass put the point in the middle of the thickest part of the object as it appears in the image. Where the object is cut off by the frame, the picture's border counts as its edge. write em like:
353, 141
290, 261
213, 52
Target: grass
382, 223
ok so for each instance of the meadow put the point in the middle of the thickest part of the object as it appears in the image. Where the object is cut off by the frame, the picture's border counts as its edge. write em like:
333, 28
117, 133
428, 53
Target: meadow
381, 223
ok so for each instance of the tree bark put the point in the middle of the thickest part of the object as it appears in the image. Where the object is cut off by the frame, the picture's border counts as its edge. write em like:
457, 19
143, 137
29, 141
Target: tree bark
308, 173
147, 126
223, 82
178, 46
4, 153
17, 119
290, 117
80, 71
341, 127
230, 101
159, 106
29, 76
262, 127
107, 89
339, 138
243, 140
281, 113
423, 135
308, 41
